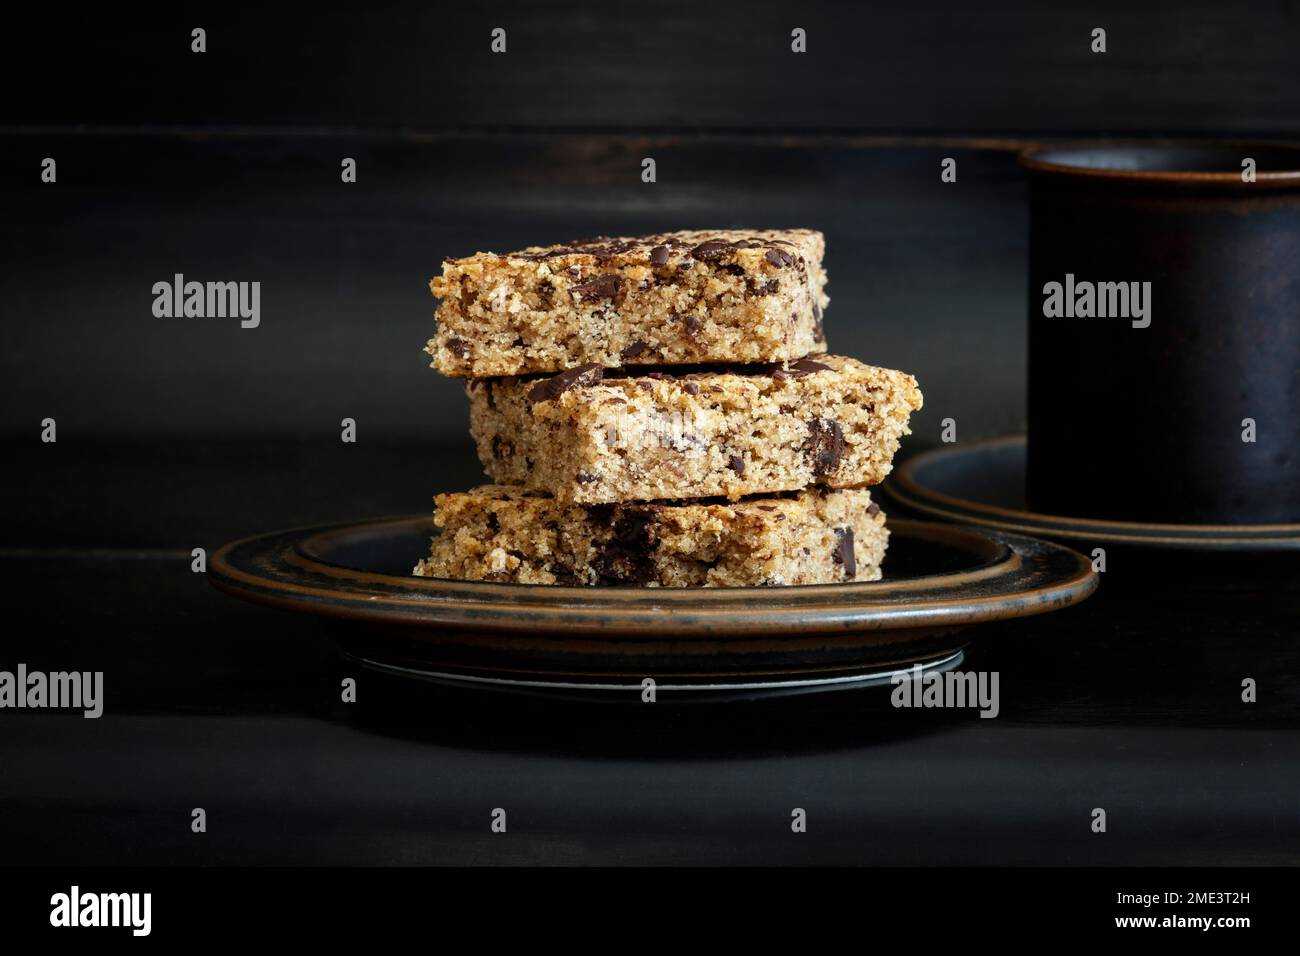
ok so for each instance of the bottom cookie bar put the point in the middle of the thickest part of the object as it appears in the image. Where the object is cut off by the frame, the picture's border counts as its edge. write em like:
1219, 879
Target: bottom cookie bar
498, 533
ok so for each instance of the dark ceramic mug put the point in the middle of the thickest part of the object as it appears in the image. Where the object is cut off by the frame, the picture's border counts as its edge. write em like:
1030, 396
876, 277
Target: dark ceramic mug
1164, 331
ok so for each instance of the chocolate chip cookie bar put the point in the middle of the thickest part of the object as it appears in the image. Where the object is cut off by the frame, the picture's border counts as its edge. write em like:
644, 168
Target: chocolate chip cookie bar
495, 533
596, 436
673, 298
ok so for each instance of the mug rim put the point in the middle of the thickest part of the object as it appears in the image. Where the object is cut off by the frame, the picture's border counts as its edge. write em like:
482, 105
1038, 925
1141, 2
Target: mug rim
1052, 160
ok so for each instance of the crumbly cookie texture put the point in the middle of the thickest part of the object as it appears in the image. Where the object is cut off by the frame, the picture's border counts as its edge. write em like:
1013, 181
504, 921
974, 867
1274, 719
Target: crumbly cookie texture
672, 298
593, 436
496, 533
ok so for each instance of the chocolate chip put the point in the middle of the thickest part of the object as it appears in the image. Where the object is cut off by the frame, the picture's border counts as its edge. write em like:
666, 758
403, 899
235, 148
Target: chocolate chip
565, 577
873, 509
825, 446
458, 347
627, 558
778, 258
691, 388
735, 269
585, 479
659, 256
493, 524
692, 324
633, 350
844, 552
711, 251
551, 388
601, 287
819, 330
736, 464
601, 248
807, 366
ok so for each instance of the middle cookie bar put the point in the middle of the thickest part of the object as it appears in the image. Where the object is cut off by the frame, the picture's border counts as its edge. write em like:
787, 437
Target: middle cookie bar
598, 436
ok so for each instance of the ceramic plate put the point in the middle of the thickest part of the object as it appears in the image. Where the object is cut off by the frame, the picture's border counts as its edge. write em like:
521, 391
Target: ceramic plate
983, 483
939, 581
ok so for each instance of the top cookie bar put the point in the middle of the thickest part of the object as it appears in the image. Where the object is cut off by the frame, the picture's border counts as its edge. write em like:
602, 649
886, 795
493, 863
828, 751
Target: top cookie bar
669, 299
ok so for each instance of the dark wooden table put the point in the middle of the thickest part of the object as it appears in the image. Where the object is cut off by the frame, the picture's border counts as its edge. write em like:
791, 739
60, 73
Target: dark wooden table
1130, 702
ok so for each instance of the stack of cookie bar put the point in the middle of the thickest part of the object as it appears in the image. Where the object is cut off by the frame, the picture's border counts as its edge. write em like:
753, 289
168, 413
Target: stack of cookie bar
660, 411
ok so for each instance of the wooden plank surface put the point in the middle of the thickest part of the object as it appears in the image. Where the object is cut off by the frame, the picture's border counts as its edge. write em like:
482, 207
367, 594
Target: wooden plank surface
1195, 66
925, 276
1130, 701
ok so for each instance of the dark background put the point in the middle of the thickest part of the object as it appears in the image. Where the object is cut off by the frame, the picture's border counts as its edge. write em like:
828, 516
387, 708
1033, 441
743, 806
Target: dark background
177, 433
225, 166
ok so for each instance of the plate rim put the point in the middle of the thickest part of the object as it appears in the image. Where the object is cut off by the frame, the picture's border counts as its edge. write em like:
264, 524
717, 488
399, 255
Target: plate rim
872, 675
705, 612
